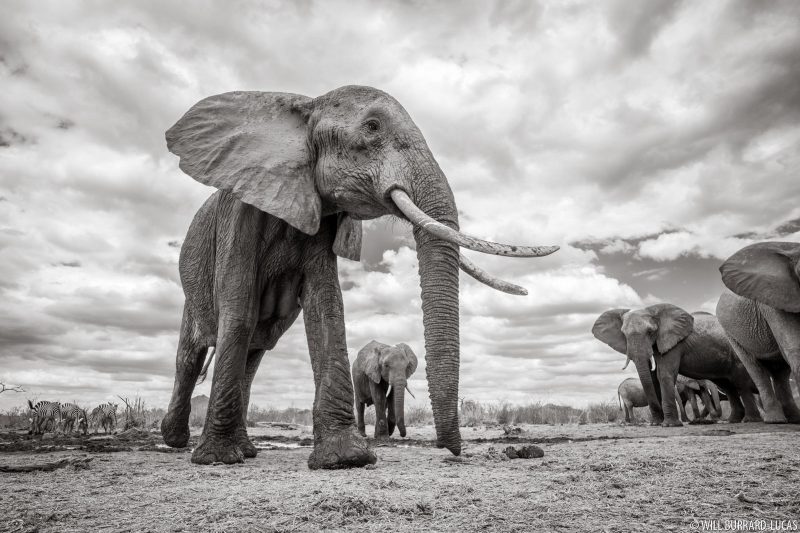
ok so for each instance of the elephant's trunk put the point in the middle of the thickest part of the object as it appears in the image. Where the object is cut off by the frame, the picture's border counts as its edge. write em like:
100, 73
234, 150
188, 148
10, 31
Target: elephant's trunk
399, 388
641, 353
438, 271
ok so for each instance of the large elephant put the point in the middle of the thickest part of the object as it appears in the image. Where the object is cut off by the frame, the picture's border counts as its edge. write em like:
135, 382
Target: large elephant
380, 374
688, 390
762, 319
296, 176
694, 345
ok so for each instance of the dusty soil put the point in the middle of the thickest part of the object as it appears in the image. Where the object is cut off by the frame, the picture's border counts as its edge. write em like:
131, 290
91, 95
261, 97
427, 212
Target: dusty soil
596, 477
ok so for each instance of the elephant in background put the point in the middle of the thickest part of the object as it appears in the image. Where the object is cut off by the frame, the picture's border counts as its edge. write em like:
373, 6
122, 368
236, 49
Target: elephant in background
677, 342
761, 317
688, 389
380, 374
631, 394
296, 176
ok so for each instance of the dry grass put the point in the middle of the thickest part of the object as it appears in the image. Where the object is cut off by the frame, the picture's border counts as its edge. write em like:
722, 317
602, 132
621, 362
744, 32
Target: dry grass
137, 415
593, 477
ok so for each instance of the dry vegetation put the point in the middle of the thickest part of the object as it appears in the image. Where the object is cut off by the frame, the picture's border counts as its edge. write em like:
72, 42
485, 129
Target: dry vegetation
593, 477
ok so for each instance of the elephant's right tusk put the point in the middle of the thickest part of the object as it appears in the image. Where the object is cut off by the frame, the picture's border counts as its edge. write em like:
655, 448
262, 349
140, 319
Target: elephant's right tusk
409, 391
627, 362
652, 363
479, 274
417, 217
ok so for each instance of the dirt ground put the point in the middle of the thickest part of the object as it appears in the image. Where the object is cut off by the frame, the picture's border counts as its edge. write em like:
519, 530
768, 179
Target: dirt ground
595, 477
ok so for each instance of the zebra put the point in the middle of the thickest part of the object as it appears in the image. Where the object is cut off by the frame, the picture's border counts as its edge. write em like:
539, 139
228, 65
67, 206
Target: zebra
72, 415
42, 414
104, 415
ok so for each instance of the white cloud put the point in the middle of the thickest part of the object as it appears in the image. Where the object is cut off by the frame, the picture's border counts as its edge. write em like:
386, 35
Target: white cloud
645, 131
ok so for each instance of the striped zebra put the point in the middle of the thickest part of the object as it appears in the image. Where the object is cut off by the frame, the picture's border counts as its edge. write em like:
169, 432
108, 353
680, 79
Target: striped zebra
104, 415
42, 414
71, 416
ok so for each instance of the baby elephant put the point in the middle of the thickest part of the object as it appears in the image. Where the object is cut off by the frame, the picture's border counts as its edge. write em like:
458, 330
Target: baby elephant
377, 367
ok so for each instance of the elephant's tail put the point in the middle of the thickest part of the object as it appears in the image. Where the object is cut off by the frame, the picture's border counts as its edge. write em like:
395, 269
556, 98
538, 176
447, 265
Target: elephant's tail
204, 372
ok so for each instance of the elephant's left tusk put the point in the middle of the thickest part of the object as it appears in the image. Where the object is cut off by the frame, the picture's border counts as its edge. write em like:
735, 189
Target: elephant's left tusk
652, 363
479, 274
409, 391
417, 217
627, 362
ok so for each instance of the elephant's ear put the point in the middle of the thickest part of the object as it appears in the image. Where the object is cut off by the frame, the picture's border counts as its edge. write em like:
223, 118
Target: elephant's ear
253, 144
674, 325
412, 359
348, 238
608, 328
372, 354
767, 272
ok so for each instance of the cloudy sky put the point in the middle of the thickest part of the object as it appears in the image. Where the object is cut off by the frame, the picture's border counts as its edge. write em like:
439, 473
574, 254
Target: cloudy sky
649, 139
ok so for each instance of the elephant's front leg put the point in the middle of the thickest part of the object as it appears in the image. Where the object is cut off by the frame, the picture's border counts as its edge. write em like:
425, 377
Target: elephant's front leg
695, 407
219, 443
681, 407
667, 372
337, 443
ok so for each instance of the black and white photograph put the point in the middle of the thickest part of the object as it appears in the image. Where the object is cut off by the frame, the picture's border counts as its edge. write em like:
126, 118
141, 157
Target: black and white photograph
452, 266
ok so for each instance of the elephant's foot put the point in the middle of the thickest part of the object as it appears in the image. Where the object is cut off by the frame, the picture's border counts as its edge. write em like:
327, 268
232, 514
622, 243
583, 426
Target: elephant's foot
656, 422
792, 415
217, 450
362, 431
343, 449
774, 419
175, 430
244, 443
672, 423
752, 418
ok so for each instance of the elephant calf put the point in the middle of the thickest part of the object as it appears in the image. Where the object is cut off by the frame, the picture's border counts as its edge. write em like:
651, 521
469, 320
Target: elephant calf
378, 367
688, 389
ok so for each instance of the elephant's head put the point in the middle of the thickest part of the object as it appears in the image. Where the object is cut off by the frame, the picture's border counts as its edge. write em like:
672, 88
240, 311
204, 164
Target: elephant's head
393, 364
354, 153
767, 272
635, 332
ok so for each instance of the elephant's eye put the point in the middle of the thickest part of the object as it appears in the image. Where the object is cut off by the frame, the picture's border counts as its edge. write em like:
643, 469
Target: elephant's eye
373, 125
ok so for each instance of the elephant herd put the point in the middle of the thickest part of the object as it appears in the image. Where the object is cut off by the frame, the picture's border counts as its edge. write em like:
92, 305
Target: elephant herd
750, 350
295, 178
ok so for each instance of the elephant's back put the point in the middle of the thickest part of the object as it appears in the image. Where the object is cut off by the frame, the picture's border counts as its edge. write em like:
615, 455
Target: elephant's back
631, 389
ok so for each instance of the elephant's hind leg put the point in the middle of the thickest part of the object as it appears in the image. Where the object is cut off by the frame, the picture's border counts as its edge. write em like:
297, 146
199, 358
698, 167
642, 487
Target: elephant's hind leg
783, 390
253, 361
188, 363
773, 413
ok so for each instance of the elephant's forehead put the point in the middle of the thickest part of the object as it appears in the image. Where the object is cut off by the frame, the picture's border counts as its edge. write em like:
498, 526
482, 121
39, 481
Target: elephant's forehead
636, 318
352, 100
